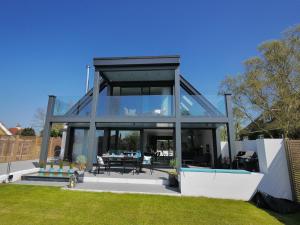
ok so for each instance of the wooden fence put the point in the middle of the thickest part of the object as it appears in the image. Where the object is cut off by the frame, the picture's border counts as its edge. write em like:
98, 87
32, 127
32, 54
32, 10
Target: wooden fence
293, 153
16, 148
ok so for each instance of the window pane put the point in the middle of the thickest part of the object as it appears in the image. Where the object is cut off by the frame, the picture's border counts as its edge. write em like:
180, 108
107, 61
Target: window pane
116, 91
130, 91
112, 143
145, 90
160, 90
129, 140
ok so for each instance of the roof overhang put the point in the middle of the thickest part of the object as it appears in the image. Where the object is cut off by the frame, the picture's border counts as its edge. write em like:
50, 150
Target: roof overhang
145, 68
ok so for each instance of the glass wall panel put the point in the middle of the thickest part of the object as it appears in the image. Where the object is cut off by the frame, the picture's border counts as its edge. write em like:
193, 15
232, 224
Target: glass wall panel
197, 147
124, 140
79, 142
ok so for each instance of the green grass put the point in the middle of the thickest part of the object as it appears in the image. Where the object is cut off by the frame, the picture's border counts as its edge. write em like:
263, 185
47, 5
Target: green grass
22, 204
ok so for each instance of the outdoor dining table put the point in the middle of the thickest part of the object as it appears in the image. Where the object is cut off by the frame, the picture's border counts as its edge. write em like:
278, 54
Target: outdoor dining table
124, 160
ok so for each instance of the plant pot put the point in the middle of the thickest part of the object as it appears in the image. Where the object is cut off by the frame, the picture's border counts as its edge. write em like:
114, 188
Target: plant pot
70, 171
80, 175
60, 170
51, 170
173, 182
42, 170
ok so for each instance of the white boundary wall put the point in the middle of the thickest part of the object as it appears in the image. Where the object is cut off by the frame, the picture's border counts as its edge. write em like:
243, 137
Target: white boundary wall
220, 185
273, 178
273, 163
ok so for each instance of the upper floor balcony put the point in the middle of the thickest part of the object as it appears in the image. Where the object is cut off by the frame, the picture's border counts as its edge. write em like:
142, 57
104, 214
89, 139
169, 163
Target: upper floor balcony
142, 106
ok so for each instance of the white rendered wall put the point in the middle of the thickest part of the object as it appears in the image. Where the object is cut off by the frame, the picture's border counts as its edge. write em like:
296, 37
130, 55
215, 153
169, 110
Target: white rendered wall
273, 163
220, 185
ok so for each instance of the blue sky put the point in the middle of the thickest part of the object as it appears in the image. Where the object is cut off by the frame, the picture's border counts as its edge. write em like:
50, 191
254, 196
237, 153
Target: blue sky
45, 45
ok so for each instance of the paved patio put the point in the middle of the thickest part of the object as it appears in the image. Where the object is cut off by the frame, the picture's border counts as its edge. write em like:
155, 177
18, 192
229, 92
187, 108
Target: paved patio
19, 165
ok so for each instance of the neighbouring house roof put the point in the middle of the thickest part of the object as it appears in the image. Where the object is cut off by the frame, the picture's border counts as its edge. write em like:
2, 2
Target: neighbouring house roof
15, 130
4, 130
261, 125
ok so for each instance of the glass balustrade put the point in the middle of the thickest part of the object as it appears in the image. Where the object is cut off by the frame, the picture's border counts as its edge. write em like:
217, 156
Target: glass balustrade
202, 105
71, 106
140, 105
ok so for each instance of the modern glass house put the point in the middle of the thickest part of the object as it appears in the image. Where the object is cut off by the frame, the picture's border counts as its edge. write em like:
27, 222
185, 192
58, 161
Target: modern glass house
143, 104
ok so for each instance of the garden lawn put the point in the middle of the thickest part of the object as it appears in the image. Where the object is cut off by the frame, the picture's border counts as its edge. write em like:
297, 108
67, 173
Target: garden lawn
25, 204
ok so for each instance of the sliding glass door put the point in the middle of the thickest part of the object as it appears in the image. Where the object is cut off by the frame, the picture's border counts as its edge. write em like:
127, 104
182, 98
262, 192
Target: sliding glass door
127, 140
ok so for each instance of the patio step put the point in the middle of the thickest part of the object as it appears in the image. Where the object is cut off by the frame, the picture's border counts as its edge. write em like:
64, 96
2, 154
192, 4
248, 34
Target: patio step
162, 181
36, 177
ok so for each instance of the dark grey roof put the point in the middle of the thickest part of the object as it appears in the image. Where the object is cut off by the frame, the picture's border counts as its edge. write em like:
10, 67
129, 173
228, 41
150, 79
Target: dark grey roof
137, 60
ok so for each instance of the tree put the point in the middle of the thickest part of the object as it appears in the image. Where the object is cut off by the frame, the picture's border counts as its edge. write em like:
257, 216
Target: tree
270, 85
29, 131
39, 118
56, 132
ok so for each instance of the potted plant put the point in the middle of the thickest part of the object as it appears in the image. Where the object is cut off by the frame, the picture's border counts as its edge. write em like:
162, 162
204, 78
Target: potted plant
61, 165
70, 170
81, 162
51, 170
173, 180
42, 167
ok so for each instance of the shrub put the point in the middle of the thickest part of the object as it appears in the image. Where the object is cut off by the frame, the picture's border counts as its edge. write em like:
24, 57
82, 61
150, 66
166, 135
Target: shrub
61, 164
29, 131
56, 133
71, 165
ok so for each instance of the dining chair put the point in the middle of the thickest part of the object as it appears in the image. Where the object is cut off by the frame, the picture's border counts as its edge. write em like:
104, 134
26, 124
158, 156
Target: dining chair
103, 163
147, 162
